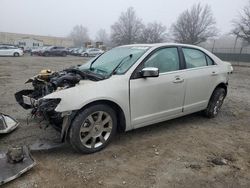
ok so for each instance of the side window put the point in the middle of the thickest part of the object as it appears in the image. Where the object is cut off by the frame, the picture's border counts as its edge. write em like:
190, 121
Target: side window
209, 61
194, 58
165, 60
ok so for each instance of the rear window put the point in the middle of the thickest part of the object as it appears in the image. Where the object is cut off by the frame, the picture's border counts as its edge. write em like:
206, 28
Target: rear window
194, 58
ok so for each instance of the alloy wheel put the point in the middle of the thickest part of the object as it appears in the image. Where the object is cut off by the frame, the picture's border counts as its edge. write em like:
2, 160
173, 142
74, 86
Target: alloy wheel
96, 129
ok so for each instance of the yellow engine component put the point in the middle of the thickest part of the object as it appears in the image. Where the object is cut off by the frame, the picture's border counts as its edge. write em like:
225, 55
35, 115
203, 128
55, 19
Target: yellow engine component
44, 74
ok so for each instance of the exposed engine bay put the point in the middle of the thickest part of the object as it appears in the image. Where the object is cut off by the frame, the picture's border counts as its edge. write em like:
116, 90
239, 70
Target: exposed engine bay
47, 82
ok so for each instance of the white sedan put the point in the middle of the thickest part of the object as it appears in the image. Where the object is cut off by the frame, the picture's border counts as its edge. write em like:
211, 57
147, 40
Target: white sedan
10, 51
130, 87
91, 52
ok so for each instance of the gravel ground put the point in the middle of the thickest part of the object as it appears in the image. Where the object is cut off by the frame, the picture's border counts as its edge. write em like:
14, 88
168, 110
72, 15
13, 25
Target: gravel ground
176, 153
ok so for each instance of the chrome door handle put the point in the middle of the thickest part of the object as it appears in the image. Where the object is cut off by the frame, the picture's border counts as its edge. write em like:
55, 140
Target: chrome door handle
178, 80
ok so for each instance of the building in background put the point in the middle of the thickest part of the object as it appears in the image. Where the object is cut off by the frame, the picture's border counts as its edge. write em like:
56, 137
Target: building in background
14, 38
99, 45
28, 43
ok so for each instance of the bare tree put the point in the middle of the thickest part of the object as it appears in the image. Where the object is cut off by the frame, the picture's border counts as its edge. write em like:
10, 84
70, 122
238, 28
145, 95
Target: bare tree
102, 36
153, 33
79, 35
127, 29
195, 25
242, 25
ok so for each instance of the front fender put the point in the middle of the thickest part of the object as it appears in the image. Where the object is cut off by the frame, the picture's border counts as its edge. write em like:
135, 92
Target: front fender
115, 89
76, 97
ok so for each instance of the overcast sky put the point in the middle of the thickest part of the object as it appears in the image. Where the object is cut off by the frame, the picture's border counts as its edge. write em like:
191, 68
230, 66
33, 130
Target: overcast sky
57, 17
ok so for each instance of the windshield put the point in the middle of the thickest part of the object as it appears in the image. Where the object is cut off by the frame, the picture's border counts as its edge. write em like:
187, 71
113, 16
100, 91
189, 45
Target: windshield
108, 62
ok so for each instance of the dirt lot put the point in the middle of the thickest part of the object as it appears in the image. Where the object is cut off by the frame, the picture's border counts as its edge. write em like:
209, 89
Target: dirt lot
175, 153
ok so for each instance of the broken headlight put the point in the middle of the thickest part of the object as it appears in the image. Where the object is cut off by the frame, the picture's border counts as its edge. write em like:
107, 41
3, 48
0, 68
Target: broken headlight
47, 105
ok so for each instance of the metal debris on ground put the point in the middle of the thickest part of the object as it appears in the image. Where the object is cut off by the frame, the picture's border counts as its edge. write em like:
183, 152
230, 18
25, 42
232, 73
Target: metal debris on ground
15, 154
194, 166
219, 161
14, 163
43, 145
7, 123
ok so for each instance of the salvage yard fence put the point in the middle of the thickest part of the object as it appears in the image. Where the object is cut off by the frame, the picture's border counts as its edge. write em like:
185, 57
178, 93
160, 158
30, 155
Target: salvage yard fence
232, 54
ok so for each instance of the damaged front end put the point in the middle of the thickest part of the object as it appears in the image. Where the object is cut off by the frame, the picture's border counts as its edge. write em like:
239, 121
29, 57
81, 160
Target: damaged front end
44, 83
48, 82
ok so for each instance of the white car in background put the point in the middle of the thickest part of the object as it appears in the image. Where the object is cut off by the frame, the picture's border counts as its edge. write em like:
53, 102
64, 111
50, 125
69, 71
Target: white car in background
92, 52
126, 88
10, 51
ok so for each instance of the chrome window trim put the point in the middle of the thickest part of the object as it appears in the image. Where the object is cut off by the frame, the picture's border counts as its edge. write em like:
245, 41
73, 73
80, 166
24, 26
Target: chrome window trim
186, 70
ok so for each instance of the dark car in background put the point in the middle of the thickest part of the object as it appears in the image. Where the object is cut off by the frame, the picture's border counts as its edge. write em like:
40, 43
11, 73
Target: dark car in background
54, 51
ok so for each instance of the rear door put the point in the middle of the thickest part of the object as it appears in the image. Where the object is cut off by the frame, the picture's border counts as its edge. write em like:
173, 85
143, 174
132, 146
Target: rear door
2, 51
7, 51
156, 99
200, 75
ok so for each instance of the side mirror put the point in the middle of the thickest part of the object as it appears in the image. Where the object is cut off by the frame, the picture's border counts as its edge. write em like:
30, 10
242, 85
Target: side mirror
150, 72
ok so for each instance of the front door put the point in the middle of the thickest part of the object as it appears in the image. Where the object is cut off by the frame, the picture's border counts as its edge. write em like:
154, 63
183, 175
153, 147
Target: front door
156, 99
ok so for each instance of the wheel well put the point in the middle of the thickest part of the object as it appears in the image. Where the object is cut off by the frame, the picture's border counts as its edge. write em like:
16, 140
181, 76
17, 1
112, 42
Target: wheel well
121, 121
222, 85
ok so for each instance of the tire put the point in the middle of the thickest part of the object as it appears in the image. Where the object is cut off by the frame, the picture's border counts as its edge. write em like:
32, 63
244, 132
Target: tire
16, 54
64, 54
86, 55
46, 54
93, 128
215, 103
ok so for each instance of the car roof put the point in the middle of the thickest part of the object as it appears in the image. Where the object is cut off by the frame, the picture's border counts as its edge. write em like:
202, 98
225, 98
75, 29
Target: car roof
160, 45
157, 45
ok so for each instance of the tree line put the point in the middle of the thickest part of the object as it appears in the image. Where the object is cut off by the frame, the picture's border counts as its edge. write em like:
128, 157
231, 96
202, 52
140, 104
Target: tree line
193, 26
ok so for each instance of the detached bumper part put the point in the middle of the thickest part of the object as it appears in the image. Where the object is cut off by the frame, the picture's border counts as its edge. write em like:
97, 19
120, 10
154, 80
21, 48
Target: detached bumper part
10, 171
22, 98
7, 123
